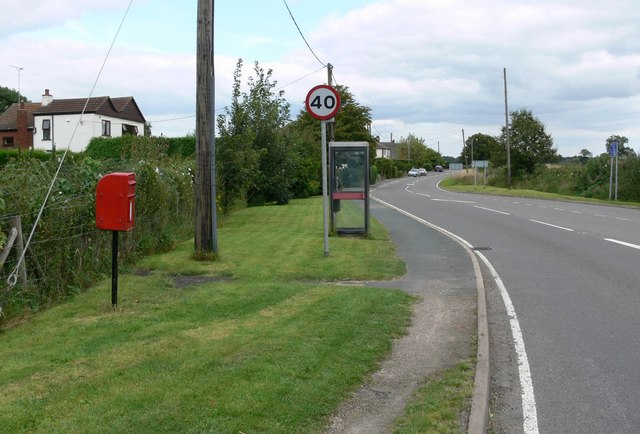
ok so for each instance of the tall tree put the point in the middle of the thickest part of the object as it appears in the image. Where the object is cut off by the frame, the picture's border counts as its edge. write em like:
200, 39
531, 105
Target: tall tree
531, 145
624, 151
483, 147
236, 158
421, 155
8, 97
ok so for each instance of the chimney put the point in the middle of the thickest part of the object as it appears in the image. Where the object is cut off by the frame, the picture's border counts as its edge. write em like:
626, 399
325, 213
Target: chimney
46, 98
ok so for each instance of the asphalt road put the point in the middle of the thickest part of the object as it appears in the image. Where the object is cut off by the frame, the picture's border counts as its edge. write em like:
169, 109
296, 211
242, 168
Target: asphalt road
572, 272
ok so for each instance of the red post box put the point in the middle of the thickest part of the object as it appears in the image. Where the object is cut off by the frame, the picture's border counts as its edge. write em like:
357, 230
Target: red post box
115, 201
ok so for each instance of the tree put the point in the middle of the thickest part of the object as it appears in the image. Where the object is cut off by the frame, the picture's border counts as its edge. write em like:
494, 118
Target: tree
421, 155
8, 97
236, 159
531, 145
483, 148
623, 150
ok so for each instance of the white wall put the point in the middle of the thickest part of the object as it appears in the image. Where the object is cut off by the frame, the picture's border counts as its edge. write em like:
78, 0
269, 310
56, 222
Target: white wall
63, 127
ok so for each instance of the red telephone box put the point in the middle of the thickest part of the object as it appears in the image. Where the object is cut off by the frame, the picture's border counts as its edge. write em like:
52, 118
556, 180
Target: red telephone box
115, 201
115, 206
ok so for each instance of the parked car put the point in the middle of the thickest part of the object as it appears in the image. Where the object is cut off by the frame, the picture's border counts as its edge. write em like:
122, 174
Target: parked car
422, 171
438, 169
413, 172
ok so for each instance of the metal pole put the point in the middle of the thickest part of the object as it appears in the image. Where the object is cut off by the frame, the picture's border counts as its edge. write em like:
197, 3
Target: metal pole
617, 152
325, 197
114, 269
506, 116
473, 166
465, 154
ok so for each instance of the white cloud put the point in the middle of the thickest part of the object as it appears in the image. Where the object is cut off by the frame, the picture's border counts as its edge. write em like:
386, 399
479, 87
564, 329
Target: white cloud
427, 67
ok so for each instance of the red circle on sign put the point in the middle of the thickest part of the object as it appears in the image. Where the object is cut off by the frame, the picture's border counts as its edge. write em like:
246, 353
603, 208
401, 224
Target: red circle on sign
323, 102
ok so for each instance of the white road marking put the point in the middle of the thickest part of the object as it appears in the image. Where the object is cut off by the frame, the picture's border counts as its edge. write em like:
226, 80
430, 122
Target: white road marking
624, 219
452, 200
577, 212
422, 194
492, 210
553, 226
529, 411
599, 215
633, 246
559, 209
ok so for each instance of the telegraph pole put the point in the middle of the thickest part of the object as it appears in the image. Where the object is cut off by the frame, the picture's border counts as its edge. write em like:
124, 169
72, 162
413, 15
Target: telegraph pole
205, 203
465, 154
329, 125
506, 117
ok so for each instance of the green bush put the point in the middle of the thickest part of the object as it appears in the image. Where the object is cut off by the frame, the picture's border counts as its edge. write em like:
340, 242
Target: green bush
7, 155
67, 252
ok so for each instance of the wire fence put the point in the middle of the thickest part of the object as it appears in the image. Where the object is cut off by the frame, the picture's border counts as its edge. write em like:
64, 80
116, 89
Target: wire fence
67, 253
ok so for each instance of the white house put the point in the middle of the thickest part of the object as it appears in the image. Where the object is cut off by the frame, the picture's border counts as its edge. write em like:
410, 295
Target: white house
74, 122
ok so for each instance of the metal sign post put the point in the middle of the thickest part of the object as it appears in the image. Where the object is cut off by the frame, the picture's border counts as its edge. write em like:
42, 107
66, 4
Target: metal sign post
323, 103
613, 152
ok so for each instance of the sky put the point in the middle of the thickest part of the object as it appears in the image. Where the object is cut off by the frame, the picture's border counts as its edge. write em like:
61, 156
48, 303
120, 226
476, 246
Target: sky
430, 68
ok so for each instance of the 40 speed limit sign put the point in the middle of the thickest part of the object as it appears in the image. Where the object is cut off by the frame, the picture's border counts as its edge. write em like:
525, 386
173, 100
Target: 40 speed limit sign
323, 102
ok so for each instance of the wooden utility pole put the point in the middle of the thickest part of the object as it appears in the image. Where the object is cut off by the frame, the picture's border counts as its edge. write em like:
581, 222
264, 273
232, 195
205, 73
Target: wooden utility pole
205, 194
506, 117
330, 132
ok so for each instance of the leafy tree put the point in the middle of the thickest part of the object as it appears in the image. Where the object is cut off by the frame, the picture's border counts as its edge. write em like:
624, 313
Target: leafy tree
483, 148
236, 158
8, 97
421, 155
584, 156
269, 113
623, 150
531, 145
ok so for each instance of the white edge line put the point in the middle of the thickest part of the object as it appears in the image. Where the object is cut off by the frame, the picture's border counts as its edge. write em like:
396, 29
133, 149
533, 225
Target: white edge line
633, 246
529, 411
553, 226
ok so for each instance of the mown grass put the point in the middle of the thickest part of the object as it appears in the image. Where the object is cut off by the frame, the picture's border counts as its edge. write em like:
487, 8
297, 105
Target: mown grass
462, 185
265, 339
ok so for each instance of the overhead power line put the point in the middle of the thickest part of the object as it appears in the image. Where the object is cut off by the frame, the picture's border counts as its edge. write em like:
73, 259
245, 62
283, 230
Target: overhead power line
300, 31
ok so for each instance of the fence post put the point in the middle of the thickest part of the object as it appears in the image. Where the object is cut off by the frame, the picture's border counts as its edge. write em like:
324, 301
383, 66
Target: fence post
16, 222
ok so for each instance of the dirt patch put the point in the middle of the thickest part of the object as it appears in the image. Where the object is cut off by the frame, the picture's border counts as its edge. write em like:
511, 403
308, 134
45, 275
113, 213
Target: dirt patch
180, 282
440, 337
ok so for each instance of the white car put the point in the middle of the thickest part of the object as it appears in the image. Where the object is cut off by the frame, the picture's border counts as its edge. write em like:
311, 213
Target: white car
422, 171
414, 172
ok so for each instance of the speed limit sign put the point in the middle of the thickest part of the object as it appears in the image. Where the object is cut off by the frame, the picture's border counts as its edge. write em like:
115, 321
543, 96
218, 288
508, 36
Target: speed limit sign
323, 102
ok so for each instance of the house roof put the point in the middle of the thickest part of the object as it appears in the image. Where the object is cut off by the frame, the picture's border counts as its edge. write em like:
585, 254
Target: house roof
123, 107
9, 119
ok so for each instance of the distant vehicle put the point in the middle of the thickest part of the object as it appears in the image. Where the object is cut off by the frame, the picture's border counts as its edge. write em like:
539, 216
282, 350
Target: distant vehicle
438, 169
422, 171
414, 172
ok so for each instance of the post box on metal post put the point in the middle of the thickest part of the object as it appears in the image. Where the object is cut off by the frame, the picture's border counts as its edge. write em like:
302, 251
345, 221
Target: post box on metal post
115, 206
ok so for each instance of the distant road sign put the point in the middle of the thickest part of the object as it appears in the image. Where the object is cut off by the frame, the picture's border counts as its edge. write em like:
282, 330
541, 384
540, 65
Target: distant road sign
613, 149
323, 102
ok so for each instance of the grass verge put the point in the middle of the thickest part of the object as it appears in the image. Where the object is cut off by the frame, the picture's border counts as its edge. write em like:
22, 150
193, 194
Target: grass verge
264, 339
451, 183
438, 406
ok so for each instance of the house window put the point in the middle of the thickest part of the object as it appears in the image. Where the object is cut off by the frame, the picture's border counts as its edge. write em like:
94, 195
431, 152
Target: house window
106, 128
129, 130
7, 142
46, 129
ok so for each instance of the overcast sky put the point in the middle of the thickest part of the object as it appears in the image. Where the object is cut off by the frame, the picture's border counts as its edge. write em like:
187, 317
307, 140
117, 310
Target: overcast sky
426, 67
